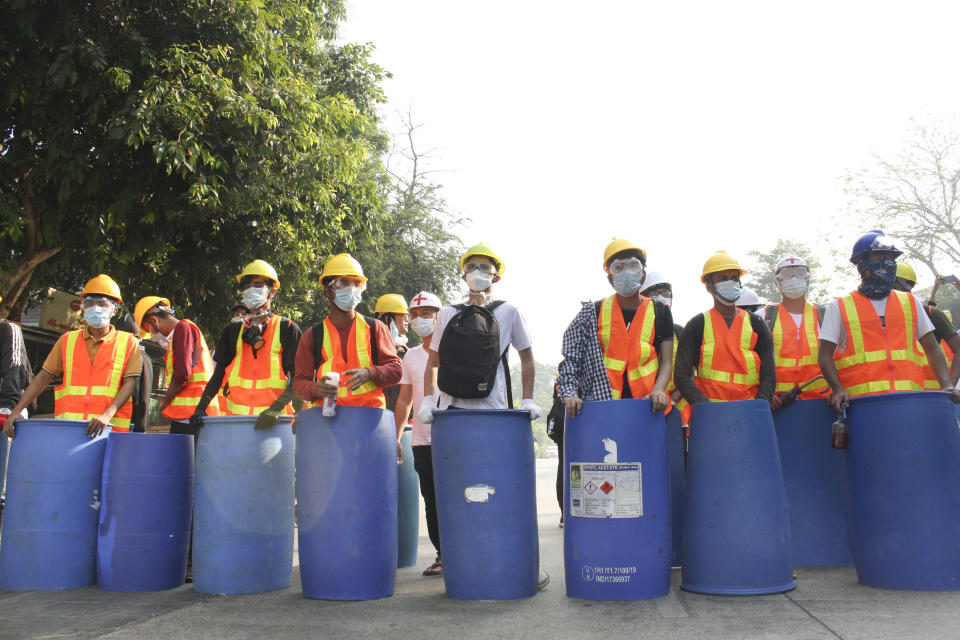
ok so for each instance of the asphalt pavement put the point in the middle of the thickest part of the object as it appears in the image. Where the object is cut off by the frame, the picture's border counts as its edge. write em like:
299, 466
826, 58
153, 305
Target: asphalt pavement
828, 603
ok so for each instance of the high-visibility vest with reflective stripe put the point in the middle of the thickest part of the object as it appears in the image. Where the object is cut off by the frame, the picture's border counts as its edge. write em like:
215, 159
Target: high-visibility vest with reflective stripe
729, 367
682, 405
628, 351
359, 348
88, 388
256, 382
797, 358
185, 402
929, 377
877, 359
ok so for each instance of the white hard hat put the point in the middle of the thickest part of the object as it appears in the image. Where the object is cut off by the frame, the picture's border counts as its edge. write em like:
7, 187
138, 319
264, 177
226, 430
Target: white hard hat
653, 279
425, 299
747, 298
791, 261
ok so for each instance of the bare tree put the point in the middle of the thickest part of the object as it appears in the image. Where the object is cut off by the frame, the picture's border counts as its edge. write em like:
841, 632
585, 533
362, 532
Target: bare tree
914, 197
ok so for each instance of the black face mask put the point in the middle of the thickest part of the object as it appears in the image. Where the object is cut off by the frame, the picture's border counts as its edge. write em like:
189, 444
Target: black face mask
877, 277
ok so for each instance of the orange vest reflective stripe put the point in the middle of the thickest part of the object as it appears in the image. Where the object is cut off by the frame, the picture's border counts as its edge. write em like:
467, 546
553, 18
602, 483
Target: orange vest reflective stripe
628, 351
877, 359
185, 402
729, 367
256, 382
797, 358
929, 377
682, 405
88, 388
359, 346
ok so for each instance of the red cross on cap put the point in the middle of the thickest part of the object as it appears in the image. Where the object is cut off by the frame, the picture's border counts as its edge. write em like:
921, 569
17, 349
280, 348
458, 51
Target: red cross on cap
419, 299
792, 260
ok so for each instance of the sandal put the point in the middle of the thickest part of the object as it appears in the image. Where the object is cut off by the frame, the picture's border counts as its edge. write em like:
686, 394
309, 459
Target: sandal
436, 569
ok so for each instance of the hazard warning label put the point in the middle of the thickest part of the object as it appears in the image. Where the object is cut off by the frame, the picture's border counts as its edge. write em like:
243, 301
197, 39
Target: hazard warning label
606, 490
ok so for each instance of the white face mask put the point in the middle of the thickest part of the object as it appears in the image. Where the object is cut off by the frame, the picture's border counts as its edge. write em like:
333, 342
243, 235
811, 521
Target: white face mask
479, 281
794, 287
347, 298
163, 340
627, 283
423, 327
98, 317
398, 340
254, 297
727, 292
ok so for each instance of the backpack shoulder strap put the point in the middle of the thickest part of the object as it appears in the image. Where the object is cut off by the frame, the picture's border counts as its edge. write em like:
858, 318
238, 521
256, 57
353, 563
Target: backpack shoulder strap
770, 315
317, 345
504, 359
493, 305
374, 347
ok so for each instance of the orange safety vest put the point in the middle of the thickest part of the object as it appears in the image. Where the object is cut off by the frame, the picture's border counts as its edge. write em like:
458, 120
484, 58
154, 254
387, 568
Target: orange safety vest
797, 358
877, 359
729, 367
628, 351
929, 377
682, 405
257, 381
88, 388
185, 402
359, 347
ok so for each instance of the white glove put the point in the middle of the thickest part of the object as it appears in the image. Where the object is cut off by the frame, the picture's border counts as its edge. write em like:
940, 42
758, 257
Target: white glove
529, 405
427, 409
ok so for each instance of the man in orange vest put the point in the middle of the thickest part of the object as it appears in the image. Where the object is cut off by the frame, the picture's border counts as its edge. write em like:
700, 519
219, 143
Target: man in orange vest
100, 366
188, 364
943, 329
346, 343
869, 338
795, 327
622, 346
730, 348
256, 356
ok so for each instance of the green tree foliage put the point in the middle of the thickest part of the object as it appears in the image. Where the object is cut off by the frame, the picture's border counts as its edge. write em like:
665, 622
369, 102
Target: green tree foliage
763, 264
168, 143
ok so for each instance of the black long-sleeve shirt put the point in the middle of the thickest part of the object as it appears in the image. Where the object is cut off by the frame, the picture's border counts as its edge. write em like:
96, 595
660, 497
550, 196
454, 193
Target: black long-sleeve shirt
14, 365
688, 358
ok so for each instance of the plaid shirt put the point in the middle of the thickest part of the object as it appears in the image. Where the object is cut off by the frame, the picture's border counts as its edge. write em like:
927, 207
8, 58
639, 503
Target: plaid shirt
582, 373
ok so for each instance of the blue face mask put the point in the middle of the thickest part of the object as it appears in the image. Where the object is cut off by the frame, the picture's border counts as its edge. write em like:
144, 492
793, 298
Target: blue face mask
347, 298
627, 283
97, 317
877, 277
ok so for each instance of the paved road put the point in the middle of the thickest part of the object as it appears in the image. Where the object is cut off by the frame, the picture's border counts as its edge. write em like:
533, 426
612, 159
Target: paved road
827, 604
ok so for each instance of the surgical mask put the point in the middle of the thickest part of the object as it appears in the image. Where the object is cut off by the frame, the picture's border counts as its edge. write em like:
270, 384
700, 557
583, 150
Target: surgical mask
236, 319
728, 292
626, 283
793, 287
398, 340
664, 300
254, 297
347, 298
423, 327
163, 340
97, 317
877, 277
479, 281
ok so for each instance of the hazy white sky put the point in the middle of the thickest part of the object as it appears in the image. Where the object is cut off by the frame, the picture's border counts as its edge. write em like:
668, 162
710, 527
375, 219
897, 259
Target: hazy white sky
687, 127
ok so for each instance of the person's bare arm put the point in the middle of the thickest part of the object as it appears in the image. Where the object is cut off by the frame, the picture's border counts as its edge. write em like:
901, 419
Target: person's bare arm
34, 389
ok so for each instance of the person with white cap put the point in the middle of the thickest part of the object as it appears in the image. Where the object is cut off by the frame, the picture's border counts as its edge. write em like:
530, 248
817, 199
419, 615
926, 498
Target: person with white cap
659, 289
424, 308
749, 300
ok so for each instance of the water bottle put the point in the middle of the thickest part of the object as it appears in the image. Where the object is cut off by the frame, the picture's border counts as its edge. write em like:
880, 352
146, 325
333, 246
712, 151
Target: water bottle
330, 404
841, 433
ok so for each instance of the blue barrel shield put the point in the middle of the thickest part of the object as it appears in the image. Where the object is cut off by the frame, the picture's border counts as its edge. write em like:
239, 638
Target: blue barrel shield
678, 484
408, 505
616, 539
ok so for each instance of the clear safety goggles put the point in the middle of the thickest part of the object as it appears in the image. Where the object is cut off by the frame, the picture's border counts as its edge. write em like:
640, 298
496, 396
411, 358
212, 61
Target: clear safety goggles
97, 301
786, 273
343, 281
482, 267
622, 265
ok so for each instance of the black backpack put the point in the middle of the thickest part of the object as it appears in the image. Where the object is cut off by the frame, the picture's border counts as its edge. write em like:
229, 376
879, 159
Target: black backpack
470, 353
557, 417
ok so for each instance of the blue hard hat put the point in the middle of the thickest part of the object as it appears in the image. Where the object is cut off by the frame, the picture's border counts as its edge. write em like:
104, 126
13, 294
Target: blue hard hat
872, 242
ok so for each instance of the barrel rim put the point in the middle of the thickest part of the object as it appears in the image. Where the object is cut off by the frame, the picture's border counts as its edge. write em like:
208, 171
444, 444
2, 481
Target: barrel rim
242, 420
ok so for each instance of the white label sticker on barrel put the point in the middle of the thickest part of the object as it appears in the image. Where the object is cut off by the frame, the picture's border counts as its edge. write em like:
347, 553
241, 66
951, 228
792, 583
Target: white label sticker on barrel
478, 493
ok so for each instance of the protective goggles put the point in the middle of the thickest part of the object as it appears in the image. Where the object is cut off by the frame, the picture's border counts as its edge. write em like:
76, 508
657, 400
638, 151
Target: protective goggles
343, 281
96, 301
482, 267
786, 273
622, 265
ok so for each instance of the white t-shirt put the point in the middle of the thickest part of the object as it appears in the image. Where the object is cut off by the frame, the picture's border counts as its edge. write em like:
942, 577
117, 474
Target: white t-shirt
413, 366
833, 330
513, 331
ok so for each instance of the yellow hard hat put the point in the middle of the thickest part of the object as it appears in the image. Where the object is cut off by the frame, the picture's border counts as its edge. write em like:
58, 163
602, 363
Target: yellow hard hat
720, 261
616, 246
391, 303
102, 285
145, 304
342, 264
259, 268
906, 272
482, 249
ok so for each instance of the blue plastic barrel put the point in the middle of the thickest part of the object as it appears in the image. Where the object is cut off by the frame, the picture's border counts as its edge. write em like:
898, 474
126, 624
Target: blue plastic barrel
616, 542
144, 533
736, 532
485, 478
813, 480
408, 505
678, 484
49, 537
902, 469
347, 503
3, 457
243, 506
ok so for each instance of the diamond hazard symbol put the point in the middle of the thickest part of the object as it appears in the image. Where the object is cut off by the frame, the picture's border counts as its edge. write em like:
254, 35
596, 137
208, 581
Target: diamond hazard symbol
606, 487
590, 488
